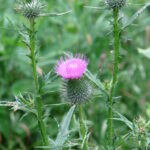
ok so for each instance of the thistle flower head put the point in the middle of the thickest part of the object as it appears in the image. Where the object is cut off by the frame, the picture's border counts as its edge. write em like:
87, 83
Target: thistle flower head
115, 3
77, 91
30, 9
75, 88
72, 67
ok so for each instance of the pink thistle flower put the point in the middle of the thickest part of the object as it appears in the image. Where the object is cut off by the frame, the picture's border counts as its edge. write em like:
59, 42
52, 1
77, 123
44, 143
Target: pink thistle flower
72, 67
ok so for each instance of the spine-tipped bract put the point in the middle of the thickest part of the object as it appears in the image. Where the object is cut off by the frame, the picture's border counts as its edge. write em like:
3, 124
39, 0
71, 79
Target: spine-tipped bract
77, 91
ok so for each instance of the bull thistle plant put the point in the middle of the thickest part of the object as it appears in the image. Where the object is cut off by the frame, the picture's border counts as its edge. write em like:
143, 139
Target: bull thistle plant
115, 5
31, 11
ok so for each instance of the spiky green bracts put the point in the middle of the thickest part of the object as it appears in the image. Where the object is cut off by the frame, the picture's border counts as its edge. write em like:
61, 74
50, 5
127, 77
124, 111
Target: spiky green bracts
115, 3
77, 91
30, 10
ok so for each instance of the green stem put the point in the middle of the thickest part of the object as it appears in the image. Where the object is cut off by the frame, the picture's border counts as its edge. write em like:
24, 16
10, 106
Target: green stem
39, 107
38, 102
115, 73
32, 49
82, 129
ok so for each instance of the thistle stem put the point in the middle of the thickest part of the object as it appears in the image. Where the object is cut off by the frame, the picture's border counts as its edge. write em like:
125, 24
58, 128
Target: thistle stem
38, 102
32, 50
115, 73
82, 128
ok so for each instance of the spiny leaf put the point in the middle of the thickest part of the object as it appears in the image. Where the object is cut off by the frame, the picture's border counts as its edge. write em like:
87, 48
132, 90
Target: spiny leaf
125, 120
7, 104
64, 128
57, 147
53, 14
134, 17
95, 80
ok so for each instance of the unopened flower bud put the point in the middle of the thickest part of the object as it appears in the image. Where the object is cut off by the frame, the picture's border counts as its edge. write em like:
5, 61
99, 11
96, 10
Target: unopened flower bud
115, 3
31, 9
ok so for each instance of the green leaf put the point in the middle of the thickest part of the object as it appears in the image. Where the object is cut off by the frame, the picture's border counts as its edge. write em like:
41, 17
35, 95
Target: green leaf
145, 52
64, 128
52, 143
54, 14
134, 17
125, 120
96, 81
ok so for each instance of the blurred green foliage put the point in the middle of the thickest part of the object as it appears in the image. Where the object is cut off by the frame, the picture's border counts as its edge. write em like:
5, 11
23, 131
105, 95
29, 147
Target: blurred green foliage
87, 31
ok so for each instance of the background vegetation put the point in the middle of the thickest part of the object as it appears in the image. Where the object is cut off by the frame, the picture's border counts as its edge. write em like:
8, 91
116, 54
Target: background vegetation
87, 31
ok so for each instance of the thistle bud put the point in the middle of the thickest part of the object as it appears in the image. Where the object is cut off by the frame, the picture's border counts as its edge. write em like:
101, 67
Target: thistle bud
115, 3
31, 9
76, 91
